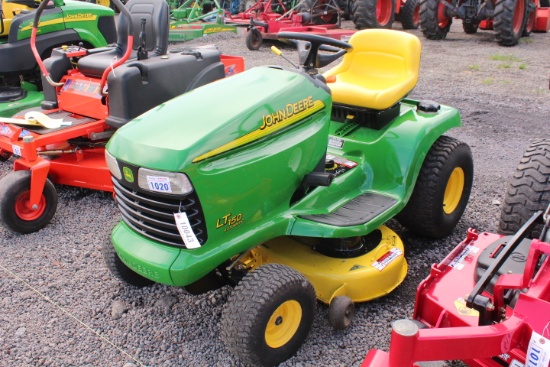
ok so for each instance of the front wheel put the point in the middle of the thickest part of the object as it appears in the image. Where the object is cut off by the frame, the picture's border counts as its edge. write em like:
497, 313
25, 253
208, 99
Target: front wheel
268, 316
254, 39
16, 214
434, 21
341, 312
119, 270
373, 13
441, 191
509, 21
410, 14
528, 191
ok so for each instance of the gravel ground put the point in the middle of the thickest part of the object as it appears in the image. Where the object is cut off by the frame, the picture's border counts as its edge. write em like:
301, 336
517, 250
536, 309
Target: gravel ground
60, 306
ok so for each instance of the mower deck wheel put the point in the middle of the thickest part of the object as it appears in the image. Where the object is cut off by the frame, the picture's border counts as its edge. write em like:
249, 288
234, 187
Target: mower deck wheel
119, 270
434, 21
528, 191
16, 214
254, 39
441, 191
410, 14
268, 316
341, 312
4, 156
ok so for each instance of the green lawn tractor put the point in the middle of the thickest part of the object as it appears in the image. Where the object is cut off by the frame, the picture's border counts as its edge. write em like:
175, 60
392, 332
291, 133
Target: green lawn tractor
284, 189
63, 23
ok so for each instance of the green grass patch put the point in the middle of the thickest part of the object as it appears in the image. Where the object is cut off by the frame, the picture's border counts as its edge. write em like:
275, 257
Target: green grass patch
473, 67
505, 65
488, 81
522, 66
507, 58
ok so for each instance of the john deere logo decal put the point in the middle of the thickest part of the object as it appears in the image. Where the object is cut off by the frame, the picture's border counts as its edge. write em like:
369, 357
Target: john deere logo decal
128, 175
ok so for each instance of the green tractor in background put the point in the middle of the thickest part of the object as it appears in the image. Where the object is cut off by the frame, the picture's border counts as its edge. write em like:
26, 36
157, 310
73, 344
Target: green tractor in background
63, 23
284, 188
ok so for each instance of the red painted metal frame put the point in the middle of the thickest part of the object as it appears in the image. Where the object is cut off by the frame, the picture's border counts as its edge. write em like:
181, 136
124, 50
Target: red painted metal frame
453, 332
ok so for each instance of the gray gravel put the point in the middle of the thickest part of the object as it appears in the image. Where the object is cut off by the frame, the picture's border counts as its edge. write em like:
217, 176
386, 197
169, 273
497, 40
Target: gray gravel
59, 306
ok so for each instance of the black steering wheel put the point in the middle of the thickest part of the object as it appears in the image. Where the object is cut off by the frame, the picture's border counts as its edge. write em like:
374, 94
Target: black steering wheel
309, 45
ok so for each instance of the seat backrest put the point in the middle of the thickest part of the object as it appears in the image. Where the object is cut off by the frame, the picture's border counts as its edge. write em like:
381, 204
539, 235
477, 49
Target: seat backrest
157, 23
382, 68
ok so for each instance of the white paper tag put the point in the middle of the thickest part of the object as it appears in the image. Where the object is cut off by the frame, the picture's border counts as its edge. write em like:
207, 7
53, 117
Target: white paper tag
16, 149
457, 261
538, 353
387, 258
186, 231
159, 184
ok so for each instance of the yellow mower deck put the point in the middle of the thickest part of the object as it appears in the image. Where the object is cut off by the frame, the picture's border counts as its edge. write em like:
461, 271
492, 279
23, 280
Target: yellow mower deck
361, 278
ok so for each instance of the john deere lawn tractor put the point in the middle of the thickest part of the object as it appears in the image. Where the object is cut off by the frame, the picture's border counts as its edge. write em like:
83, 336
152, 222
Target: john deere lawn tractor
284, 189
63, 23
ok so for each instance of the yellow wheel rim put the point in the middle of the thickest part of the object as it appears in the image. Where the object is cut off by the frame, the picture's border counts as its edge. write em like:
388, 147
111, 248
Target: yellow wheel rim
453, 191
283, 324
106, 3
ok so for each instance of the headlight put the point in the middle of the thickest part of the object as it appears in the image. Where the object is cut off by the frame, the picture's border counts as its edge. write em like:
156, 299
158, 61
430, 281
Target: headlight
166, 182
113, 166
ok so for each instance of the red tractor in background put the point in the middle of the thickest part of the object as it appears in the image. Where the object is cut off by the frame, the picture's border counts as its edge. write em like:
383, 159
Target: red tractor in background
488, 302
510, 19
382, 13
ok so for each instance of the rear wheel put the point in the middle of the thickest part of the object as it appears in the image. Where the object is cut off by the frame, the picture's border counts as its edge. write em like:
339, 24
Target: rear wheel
528, 191
509, 21
254, 39
373, 13
410, 14
441, 191
434, 21
268, 316
16, 214
119, 269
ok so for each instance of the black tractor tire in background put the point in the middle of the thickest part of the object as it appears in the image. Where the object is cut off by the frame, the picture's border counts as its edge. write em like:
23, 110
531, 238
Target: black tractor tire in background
119, 270
244, 5
268, 315
442, 190
530, 19
434, 22
367, 13
470, 28
509, 21
254, 39
409, 14
528, 191
15, 216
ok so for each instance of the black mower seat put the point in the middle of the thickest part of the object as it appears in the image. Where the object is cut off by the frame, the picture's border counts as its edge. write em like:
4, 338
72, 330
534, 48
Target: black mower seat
157, 21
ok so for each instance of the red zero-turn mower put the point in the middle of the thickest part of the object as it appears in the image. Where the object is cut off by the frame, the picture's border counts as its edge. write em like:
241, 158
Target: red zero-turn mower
88, 95
488, 302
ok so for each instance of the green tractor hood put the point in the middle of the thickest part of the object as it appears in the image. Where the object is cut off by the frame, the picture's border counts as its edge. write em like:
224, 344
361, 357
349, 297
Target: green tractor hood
217, 118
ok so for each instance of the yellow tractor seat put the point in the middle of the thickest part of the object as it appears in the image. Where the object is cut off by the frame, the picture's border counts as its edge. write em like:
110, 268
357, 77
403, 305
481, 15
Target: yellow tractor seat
381, 69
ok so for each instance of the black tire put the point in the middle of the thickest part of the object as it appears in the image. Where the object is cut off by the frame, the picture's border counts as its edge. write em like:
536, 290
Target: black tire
254, 39
528, 191
434, 22
119, 270
530, 19
410, 14
244, 5
341, 312
441, 191
252, 324
509, 21
470, 28
366, 15
4, 156
14, 213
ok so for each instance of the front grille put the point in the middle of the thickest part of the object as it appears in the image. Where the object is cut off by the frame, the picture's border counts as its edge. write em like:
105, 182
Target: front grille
152, 215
